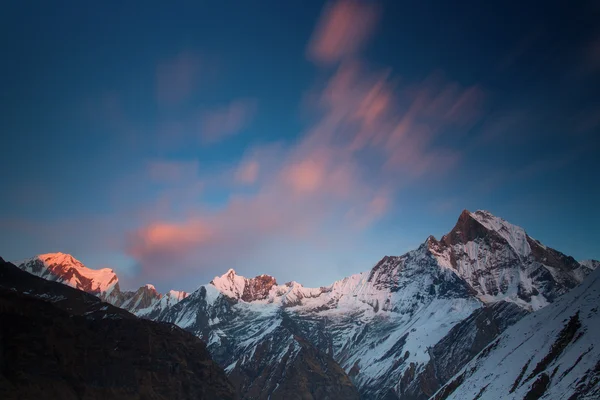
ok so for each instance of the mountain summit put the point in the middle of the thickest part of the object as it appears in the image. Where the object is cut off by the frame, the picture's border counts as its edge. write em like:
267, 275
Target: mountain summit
501, 262
103, 283
64, 268
235, 286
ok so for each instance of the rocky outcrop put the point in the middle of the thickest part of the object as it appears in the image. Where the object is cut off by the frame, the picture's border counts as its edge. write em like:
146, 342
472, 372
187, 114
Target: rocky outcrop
60, 343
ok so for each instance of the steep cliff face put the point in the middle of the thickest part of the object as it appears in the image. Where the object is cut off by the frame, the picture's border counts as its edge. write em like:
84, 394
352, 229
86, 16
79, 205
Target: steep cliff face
464, 341
552, 354
62, 343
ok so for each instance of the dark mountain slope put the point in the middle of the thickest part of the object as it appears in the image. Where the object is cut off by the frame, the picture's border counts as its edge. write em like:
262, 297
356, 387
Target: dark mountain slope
60, 343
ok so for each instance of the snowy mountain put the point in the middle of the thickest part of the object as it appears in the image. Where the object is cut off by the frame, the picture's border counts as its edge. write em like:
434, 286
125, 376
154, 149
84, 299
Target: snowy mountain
64, 268
394, 329
399, 331
104, 283
552, 354
256, 343
501, 262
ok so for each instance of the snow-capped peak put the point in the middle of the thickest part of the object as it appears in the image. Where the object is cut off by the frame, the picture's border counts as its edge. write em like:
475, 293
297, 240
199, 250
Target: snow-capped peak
67, 269
514, 235
230, 284
248, 289
150, 287
501, 262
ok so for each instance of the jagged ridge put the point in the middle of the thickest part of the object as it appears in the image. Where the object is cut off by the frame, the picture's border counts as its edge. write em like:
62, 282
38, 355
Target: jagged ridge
104, 283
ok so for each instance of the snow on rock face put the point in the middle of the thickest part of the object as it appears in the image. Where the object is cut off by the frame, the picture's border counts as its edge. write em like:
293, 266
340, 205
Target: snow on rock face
590, 264
501, 262
514, 235
552, 353
148, 303
104, 283
65, 269
262, 288
375, 324
177, 295
230, 284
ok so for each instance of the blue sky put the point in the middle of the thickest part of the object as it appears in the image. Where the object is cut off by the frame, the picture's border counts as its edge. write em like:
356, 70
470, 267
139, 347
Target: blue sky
302, 139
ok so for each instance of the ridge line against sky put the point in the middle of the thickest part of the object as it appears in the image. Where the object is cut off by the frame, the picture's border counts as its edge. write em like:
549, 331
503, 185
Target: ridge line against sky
300, 140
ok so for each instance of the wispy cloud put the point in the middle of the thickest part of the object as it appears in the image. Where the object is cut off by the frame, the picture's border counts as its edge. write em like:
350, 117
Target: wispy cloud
342, 31
369, 136
248, 172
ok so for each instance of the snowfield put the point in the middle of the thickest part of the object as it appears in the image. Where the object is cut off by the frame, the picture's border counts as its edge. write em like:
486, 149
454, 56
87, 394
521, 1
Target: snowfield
554, 352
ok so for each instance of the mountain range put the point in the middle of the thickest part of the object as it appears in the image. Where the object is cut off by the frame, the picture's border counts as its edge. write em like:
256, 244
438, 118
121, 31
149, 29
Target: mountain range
412, 327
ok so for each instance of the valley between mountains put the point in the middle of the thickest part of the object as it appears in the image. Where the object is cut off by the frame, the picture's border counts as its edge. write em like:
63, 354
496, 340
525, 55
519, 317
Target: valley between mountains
484, 312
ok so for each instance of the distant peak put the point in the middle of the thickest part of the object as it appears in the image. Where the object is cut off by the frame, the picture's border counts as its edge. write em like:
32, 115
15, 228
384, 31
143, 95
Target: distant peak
150, 286
230, 272
247, 289
230, 284
482, 223
431, 239
68, 270
465, 212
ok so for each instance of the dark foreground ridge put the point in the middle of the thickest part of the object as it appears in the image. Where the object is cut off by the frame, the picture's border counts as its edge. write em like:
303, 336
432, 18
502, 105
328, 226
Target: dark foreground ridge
61, 343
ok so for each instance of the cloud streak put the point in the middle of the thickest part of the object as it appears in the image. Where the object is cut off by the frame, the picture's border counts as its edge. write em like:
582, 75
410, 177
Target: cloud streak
368, 137
342, 31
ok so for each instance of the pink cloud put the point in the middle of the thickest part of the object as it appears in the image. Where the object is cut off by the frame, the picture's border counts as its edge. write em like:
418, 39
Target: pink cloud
373, 210
227, 120
176, 79
306, 176
321, 181
248, 172
371, 135
160, 238
368, 110
342, 30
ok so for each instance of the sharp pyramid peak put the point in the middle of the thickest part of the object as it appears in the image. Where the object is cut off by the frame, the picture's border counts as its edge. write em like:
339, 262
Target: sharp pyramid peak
471, 225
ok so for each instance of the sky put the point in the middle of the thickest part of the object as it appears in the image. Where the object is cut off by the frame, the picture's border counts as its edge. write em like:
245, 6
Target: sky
301, 139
